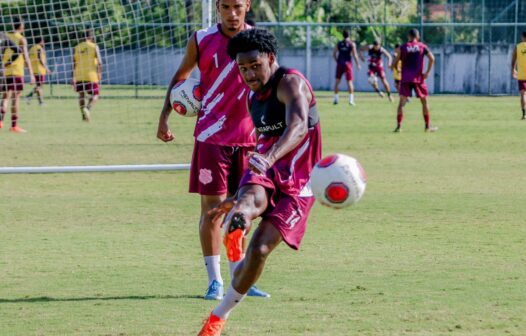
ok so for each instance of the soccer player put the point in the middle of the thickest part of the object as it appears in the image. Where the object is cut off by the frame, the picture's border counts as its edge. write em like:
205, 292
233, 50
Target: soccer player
376, 67
343, 53
276, 185
224, 133
397, 68
518, 71
37, 55
87, 73
413, 54
14, 60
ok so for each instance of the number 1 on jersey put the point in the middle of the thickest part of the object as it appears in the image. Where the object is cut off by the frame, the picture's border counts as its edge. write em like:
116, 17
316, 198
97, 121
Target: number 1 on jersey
216, 61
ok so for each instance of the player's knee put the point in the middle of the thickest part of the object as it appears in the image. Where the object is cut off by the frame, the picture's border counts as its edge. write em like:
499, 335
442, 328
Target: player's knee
260, 252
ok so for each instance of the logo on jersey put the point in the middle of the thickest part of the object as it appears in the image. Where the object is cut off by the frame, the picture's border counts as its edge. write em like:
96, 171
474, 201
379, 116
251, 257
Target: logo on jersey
205, 176
413, 49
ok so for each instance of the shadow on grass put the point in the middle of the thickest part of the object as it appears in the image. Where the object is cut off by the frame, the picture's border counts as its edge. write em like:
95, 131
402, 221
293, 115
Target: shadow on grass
41, 299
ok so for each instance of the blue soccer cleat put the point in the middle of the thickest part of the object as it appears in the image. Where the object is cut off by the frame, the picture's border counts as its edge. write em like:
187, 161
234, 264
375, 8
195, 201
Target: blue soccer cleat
215, 291
255, 292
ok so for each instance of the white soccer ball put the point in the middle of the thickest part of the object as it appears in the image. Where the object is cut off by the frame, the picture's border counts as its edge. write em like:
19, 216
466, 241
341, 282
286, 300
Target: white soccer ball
338, 181
186, 97
373, 80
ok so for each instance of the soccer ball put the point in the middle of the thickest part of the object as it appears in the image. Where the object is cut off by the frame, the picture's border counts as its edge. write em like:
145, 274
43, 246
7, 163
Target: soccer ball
373, 80
338, 181
186, 97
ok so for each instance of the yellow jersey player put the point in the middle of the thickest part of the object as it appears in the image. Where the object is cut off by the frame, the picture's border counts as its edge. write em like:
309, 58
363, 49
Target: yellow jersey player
87, 73
518, 71
37, 56
14, 60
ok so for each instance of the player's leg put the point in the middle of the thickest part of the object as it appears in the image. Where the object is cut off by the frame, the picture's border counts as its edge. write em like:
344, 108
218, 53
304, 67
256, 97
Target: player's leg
93, 99
426, 115
15, 105
210, 237
336, 99
30, 95
386, 86
523, 104
40, 93
3, 107
400, 112
349, 76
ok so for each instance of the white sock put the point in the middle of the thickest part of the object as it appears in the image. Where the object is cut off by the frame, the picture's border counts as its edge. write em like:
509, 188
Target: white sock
336, 97
351, 97
233, 265
213, 268
229, 302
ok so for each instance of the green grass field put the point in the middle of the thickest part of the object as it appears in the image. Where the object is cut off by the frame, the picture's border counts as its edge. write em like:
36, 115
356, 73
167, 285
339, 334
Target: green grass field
436, 246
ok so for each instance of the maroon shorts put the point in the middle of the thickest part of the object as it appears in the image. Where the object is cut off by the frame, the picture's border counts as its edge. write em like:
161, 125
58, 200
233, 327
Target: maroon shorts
88, 87
406, 89
287, 213
346, 69
216, 169
376, 71
522, 85
40, 80
12, 83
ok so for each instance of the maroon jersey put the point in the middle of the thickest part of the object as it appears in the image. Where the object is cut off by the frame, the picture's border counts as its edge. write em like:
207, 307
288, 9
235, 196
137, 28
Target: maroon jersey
345, 50
291, 173
375, 57
412, 57
223, 119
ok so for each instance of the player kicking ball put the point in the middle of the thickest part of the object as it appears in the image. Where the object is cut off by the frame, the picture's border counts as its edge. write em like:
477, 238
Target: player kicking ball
276, 185
376, 67
412, 54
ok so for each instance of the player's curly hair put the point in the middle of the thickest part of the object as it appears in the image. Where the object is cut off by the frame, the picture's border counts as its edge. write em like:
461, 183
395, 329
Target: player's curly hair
252, 39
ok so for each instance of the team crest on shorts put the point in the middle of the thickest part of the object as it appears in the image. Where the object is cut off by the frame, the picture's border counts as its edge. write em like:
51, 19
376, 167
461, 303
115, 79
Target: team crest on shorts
205, 176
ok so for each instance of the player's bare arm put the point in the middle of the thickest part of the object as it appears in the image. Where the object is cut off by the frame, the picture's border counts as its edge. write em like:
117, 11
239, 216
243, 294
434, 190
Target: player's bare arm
514, 73
294, 93
388, 56
99, 63
335, 53
183, 72
23, 44
431, 61
355, 56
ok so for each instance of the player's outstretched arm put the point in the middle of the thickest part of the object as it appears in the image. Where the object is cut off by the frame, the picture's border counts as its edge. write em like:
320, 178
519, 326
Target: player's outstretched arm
388, 56
355, 55
23, 44
431, 61
514, 64
295, 94
183, 72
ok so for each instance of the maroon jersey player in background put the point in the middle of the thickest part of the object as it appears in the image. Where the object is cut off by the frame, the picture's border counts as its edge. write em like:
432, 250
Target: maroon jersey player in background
413, 54
343, 53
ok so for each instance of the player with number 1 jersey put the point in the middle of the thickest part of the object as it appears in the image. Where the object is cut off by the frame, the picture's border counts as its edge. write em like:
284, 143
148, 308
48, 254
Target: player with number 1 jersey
224, 132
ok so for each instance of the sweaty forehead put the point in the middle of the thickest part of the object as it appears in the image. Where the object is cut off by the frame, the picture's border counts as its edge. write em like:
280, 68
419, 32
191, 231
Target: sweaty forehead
248, 57
231, 2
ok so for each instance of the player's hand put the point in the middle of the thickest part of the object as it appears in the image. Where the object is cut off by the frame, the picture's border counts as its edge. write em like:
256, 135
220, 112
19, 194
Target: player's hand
74, 83
222, 209
359, 66
515, 74
163, 132
426, 75
258, 163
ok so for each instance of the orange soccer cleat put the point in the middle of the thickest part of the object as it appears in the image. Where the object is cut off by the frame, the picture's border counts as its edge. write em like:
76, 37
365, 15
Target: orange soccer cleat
1, 124
17, 129
233, 239
212, 327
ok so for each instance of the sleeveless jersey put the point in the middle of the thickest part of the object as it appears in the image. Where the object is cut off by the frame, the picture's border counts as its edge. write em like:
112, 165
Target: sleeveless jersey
223, 119
291, 173
345, 49
412, 57
38, 68
85, 55
375, 57
16, 68
521, 61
